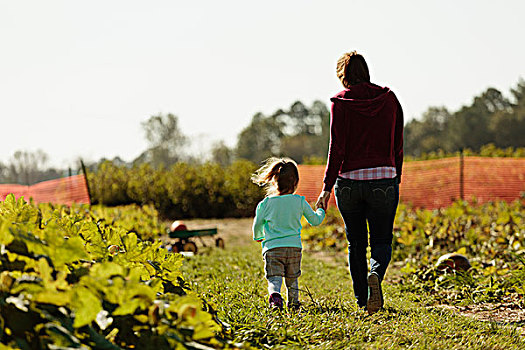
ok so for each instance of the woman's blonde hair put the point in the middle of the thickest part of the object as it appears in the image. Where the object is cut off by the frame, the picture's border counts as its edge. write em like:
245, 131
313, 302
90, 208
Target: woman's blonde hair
352, 69
278, 176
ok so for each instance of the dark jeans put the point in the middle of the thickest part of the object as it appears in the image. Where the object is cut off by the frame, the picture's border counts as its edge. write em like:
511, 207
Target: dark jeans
375, 202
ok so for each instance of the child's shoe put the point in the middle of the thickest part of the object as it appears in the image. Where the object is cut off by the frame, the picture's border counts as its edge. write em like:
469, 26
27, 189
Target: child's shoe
375, 294
276, 301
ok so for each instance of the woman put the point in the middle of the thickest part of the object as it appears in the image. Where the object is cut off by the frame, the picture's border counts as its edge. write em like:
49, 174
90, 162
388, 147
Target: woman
365, 160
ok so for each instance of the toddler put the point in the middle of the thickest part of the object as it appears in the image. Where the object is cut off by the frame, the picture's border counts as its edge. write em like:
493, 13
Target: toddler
277, 225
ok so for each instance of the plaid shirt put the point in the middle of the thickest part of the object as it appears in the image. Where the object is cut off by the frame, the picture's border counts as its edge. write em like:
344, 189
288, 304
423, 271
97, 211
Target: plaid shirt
382, 172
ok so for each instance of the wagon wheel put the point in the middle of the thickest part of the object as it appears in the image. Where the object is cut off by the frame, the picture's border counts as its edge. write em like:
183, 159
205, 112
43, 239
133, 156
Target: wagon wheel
219, 242
190, 247
177, 247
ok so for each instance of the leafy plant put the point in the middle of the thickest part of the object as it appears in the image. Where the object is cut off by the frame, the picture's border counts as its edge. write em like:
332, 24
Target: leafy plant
181, 191
71, 280
491, 235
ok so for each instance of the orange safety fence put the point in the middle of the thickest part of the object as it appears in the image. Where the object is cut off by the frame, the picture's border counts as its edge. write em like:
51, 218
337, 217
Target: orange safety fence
66, 190
437, 183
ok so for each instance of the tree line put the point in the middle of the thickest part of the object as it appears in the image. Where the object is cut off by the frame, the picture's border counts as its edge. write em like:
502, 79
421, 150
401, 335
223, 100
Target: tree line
491, 118
302, 133
26, 168
490, 123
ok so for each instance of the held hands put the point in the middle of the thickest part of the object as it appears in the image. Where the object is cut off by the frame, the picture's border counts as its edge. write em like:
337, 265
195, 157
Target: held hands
322, 201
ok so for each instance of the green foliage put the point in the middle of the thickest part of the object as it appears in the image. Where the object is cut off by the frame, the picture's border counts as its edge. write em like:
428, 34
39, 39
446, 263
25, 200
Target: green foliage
488, 150
184, 190
142, 220
491, 118
260, 139
302, 132
314, 160
491, 235
70, 280
165, 140
297, 133
206, 190
27, 168
109, 185
222, 154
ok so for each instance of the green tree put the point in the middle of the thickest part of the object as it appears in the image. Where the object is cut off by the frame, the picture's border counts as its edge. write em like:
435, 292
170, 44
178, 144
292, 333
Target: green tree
429, 133
519, 95
298, 132
470, 126
27, 168
261, 139
508, 127
222, 154
309, 132
491, 118
165, 141
299, 147
4, 171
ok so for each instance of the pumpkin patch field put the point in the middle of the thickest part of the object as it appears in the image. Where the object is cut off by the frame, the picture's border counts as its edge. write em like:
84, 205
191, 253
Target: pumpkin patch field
99, 277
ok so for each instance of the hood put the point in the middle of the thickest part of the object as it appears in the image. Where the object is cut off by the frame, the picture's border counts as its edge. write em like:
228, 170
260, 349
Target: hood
366, 99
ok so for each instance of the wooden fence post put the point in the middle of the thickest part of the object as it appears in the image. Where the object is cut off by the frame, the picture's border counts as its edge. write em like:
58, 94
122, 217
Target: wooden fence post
86, 179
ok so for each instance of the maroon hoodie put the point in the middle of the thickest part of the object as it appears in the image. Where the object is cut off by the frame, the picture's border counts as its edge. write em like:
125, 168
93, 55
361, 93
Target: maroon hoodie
366, 131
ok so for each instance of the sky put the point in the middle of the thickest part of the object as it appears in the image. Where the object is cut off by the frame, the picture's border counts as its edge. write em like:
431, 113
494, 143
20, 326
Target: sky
77, 78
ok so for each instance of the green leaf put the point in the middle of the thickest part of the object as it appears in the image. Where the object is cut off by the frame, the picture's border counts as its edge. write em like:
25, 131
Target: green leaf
462, 250
45, 271
128, 308
53, 297
130, 242
5, 235
106, 270
69, 250
86, 306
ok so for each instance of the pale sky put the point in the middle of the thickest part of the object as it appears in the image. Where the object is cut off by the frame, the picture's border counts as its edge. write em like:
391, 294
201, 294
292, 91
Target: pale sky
78, 77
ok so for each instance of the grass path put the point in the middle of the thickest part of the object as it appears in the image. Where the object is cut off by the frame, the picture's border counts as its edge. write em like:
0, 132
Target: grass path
232, 281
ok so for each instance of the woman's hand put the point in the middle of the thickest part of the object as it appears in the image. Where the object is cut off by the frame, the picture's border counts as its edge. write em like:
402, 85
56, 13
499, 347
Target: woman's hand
322, 201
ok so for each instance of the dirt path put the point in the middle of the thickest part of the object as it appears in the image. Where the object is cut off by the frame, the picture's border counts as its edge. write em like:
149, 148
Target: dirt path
234, 232
238, 232
507, 313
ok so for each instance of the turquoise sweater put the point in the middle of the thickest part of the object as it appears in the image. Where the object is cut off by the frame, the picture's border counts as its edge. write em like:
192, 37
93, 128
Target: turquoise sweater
277, 220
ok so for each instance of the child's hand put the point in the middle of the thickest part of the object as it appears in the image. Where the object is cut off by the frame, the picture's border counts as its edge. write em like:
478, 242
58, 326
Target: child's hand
322, 201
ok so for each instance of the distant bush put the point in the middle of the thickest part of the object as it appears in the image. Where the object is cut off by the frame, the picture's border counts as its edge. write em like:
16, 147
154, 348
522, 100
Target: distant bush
488, 150
314, 160
182, 191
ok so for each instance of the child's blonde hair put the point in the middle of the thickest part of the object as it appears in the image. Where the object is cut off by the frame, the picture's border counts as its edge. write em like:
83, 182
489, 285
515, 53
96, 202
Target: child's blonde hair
278, 175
